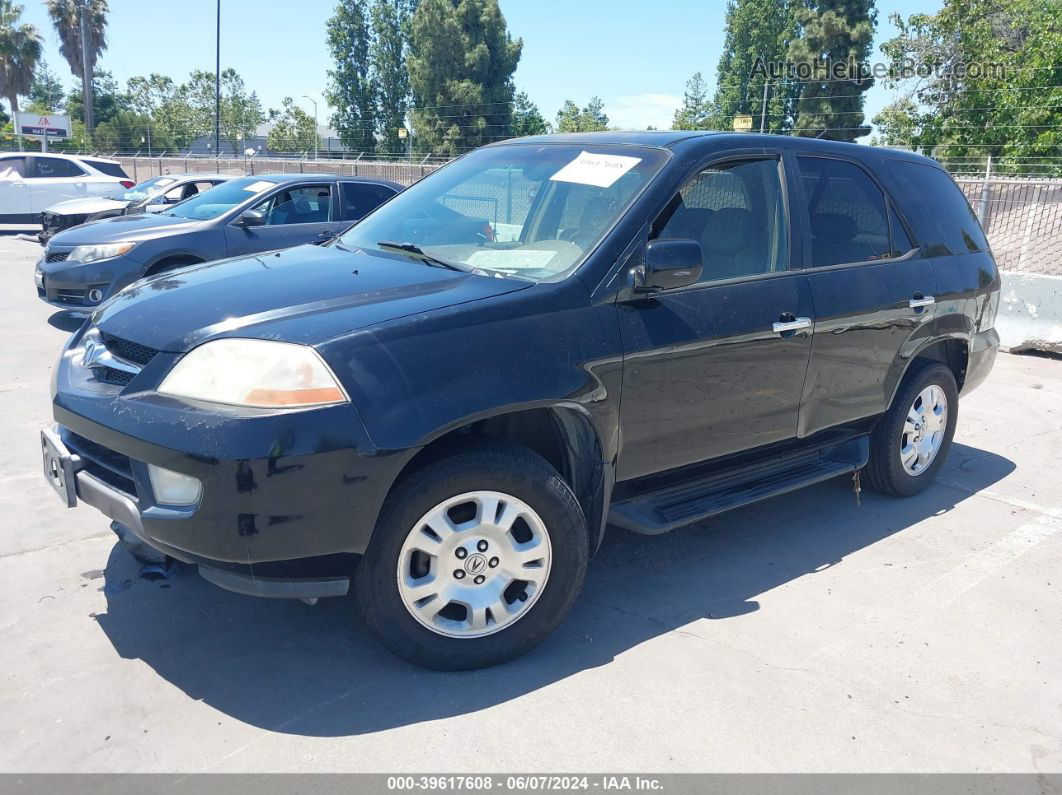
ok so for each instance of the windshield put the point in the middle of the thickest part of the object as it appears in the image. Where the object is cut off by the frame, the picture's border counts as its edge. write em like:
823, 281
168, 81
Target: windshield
529, 211
216, 201
146, 189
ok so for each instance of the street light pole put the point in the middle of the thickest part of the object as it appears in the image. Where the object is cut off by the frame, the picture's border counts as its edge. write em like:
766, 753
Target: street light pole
217, 85
314, 124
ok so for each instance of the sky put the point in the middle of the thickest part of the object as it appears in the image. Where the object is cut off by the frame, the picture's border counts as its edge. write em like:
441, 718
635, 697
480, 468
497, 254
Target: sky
635, 54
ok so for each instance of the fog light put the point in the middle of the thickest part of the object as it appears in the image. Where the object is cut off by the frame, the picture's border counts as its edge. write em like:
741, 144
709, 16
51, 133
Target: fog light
95, 295
173, 488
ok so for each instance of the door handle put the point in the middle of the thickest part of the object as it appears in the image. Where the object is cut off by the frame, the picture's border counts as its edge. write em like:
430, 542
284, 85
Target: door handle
796, 324
920, 301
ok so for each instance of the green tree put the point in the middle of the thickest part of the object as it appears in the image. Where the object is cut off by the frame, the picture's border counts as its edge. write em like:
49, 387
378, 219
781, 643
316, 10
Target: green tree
461, 63
387, 52
108, 97
351, 89
592, 118
20, 49
241, 110
527, 120
898, 124
759, 35
170, 109
834, 44
66, 19
46, 94
696, 110
992, 82
128, 131
293, 129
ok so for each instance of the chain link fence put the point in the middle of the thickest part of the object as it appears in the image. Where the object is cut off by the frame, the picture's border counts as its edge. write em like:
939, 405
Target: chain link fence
1022, 216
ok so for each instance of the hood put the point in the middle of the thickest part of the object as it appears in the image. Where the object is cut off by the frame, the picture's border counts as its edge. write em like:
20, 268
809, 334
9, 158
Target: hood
122, 228
307, 294
86, 206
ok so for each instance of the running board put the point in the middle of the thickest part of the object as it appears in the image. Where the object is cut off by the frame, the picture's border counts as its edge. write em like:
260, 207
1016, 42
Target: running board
664, 509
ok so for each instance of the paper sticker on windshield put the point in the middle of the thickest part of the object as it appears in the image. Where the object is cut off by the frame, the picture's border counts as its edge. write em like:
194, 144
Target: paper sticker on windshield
501, 258
599, 170
164, 181
258, 187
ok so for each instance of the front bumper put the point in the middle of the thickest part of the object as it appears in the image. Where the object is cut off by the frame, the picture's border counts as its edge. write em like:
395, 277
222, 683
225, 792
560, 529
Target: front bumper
277, 487
68, 284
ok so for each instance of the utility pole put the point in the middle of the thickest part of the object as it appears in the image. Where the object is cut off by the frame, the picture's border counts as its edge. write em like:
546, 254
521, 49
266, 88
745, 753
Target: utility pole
217, 86
763, 109
86, 72
314, 125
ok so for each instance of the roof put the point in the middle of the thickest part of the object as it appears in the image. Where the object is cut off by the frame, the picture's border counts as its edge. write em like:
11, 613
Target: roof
280, 179
61, 156
671, 139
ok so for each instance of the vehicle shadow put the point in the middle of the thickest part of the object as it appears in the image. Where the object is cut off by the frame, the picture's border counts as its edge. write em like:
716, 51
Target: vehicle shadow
64, 321
287, 667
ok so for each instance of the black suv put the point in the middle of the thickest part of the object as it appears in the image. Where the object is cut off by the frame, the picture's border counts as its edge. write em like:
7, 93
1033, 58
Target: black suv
447, 404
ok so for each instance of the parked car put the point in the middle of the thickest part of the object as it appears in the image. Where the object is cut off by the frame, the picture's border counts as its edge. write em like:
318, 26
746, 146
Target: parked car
31, 182
684, 323
84, 266
150, 196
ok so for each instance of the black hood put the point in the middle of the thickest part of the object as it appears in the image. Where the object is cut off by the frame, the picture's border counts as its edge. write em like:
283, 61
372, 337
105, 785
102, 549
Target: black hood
307, 294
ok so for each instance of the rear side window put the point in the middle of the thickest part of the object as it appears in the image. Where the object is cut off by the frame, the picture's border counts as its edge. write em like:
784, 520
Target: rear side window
947, 221
847, 212
55, 167
12, 168
110, 169
360, 199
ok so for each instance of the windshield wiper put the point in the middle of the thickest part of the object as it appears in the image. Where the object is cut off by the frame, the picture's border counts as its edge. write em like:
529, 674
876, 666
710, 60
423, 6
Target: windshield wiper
431, 259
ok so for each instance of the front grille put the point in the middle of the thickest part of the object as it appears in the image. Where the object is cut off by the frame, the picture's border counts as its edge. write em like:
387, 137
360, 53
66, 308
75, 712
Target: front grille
127, 349
108, 465
110, 375
57, 256
64, 292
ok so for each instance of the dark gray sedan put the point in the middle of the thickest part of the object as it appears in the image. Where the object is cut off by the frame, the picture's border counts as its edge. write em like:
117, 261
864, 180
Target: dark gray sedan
83, 266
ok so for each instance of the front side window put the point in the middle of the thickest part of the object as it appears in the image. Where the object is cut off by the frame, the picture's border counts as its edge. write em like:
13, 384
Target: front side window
145, 190
736, 212
55, 167
306, 204
12, 168
218, 201
528, 211
847, 212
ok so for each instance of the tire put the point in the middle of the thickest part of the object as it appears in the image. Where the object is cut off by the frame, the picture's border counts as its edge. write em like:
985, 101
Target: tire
890, 470
547, 541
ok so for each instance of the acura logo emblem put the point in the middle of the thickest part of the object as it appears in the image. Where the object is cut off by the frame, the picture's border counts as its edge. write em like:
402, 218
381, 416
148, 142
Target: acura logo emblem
475, 564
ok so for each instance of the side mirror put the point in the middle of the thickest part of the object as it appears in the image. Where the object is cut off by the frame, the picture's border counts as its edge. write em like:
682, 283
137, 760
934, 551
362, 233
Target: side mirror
251, 218
152, 208
671, 263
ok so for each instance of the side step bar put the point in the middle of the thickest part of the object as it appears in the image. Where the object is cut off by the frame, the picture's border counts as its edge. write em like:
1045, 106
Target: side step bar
659, 511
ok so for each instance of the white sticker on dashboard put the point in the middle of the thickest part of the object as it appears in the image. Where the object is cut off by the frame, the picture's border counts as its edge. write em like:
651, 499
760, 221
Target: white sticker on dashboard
258, 187
511, 258
592, 169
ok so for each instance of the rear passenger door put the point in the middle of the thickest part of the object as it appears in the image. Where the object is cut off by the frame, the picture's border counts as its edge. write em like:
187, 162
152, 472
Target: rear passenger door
872, 291
54, 179
707, 371
15, 203
295, 214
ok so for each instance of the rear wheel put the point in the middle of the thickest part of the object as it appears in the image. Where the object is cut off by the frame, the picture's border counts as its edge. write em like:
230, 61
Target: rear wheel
475, 559
910, 442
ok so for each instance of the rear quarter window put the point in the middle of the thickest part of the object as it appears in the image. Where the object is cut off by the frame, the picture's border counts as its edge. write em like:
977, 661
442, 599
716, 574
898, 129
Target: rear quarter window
946, 222
110, 169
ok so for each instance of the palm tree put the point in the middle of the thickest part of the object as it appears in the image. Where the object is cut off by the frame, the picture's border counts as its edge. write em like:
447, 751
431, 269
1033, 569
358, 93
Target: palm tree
67, 19
20, 49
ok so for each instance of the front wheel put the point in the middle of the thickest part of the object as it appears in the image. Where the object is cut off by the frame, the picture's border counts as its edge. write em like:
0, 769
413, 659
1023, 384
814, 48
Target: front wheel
910, 442
475, 559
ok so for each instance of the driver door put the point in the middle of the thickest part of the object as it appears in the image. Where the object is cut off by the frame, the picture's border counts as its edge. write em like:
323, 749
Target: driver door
295, 214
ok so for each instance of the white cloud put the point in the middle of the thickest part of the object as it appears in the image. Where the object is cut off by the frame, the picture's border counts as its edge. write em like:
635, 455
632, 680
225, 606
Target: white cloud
638, 111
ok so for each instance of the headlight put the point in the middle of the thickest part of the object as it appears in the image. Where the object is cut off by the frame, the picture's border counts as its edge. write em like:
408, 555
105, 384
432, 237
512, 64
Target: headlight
257, 373
104, 251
